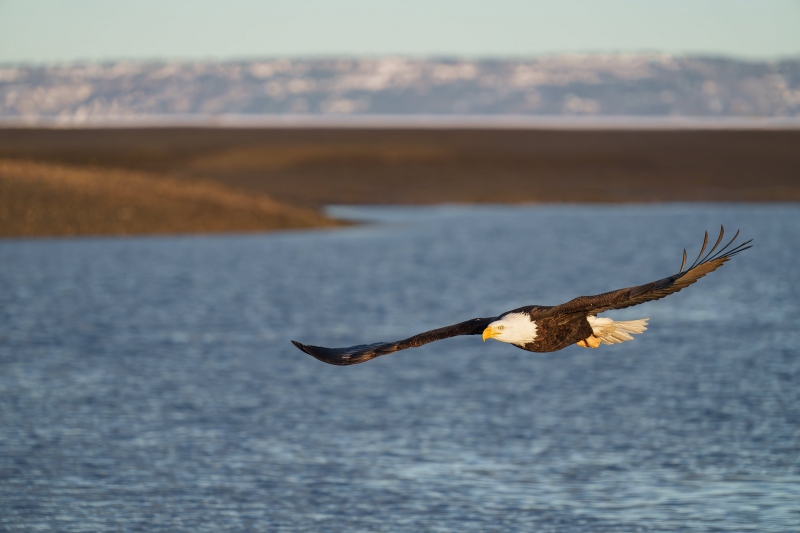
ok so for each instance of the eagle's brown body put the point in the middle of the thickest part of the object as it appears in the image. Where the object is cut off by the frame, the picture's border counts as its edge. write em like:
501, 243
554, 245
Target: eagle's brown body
557, 332
553, 327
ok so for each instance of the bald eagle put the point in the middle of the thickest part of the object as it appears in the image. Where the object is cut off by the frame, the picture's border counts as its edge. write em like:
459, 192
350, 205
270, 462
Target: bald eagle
540, 328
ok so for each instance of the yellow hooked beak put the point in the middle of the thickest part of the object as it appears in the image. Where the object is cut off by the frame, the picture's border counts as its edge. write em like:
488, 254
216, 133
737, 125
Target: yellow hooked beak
489, 332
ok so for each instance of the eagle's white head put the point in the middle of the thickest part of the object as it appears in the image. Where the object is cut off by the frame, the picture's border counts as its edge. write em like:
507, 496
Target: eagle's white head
513, 328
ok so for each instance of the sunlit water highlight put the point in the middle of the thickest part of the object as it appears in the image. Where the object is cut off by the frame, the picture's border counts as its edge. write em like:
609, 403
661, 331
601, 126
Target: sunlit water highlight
149, 384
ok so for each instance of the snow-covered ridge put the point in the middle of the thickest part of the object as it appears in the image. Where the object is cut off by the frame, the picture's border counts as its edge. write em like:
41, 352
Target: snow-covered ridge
573, 85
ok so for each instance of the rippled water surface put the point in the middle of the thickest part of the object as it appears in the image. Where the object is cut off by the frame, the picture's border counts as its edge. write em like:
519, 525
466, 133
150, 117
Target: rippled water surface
149, 384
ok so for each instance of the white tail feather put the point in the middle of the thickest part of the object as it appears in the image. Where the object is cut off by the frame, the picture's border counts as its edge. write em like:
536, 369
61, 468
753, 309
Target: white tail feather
612, 332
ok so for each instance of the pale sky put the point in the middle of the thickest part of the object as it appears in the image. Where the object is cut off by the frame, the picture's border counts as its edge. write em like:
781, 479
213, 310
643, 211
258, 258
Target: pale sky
37, 31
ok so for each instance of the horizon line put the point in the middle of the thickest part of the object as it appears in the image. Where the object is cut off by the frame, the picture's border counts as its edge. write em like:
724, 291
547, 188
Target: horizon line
413, 57
406, 121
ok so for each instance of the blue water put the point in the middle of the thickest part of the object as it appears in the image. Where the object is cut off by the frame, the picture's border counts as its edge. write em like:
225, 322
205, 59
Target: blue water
148, 384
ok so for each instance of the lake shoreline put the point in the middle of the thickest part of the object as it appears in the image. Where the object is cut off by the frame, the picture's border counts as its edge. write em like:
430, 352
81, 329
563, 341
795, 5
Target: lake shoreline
221, 180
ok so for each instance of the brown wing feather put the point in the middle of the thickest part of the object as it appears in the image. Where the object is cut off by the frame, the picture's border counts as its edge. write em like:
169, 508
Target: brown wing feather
364, 352
631, 296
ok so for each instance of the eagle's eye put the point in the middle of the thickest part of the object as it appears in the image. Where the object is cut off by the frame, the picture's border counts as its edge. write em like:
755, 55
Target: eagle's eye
500, 327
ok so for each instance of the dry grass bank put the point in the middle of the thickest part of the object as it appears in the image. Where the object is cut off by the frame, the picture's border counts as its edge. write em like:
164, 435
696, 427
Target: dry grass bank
44, 199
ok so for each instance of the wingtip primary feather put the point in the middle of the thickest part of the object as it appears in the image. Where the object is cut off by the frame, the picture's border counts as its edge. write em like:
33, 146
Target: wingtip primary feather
300, 346
720, 254
317, 353
351, 355
703, 249
719, 239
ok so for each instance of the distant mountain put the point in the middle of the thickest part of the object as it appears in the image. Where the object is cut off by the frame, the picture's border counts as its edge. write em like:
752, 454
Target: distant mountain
595, 85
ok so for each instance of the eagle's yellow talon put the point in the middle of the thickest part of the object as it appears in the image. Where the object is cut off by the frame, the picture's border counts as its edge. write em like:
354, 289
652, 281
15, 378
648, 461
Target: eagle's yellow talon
589, 342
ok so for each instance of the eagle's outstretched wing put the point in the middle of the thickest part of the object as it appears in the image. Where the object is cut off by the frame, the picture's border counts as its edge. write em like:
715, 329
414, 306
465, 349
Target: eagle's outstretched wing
630, 296
364, 352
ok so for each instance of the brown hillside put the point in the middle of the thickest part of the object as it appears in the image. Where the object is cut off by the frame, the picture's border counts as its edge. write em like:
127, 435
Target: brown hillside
42, 199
